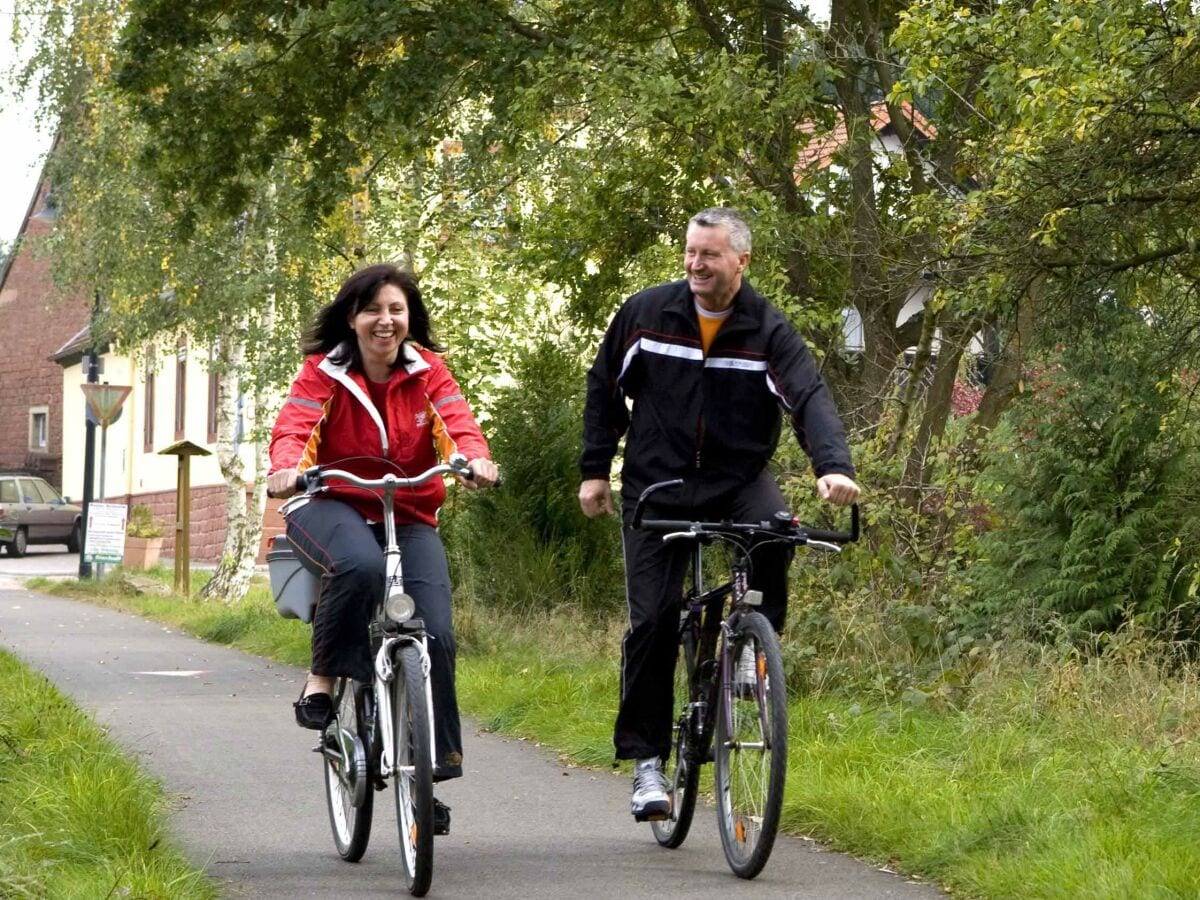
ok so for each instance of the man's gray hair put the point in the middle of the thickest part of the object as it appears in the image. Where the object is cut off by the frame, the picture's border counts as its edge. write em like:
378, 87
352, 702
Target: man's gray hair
731, 220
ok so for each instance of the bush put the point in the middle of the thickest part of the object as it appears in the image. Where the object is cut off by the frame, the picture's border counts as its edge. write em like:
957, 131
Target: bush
527, 544
1095, 490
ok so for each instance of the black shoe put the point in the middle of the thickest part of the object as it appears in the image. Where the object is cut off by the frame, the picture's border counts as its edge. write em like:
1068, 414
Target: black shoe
314, 711
441, 817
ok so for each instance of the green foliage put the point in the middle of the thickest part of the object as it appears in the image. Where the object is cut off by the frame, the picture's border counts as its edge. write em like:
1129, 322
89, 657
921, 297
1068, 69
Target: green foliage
141, 523
527, 544
1097, 487
79, 820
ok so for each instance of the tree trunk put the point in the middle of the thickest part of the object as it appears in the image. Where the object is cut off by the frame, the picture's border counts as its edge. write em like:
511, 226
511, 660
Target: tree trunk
243, 527
244, 515
1004, 375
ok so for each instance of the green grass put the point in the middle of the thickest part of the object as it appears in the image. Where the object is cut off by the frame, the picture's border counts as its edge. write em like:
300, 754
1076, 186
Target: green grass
77, 819
1049, 778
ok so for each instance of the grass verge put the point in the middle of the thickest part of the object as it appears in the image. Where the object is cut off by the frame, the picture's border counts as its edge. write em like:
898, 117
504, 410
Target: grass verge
1050, 778
77, 819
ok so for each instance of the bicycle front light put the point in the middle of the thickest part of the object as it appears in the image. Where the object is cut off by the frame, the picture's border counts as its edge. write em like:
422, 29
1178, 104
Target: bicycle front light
400, 607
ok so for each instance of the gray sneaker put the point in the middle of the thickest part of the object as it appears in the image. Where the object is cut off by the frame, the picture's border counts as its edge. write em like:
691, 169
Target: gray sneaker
650, 800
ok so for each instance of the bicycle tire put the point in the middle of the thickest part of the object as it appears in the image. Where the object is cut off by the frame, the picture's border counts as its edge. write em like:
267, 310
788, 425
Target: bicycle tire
683, 769
414, 770
348, 794
751, 750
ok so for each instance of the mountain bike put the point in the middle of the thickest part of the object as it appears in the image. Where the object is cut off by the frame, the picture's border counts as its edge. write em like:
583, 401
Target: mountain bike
730, 691
383, 728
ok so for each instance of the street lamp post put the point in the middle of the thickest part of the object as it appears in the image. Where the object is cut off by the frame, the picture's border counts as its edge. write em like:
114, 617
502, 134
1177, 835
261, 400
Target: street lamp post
89, 461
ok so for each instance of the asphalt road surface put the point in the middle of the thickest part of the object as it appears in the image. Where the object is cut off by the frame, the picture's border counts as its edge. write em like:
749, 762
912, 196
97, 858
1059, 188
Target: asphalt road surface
248, 805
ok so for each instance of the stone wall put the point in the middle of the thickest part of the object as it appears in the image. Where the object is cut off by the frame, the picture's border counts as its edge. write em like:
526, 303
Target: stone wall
207, 520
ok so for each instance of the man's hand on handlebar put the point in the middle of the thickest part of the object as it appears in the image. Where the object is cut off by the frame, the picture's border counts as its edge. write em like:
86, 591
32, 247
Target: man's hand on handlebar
838, 488
282, 484
484, 472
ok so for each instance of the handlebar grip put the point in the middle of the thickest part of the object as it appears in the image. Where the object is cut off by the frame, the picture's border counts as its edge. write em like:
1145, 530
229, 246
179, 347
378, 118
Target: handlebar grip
838, 537
641, 503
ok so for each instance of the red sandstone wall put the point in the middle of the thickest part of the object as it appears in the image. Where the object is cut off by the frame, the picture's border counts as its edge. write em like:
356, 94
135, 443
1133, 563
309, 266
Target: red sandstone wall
207, 520
35, 321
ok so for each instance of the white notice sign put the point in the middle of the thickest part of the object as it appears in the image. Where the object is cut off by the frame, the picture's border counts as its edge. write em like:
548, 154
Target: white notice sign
105, 541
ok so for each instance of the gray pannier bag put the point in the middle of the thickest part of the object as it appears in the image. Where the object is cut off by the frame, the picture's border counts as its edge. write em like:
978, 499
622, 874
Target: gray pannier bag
295, 588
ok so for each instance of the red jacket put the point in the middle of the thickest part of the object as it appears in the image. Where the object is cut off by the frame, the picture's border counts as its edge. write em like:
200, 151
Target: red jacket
329, 419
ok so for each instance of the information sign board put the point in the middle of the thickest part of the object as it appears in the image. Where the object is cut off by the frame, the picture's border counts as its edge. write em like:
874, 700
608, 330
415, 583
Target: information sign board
105, 541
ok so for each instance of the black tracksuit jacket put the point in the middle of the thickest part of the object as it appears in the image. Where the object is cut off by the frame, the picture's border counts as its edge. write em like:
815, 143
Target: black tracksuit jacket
712, 420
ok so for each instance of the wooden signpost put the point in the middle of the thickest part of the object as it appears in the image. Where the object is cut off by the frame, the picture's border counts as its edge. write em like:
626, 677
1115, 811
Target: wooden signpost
185, 450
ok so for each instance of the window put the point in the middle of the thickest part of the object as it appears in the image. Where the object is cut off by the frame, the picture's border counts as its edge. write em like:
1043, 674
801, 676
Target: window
148, 420
41, 491
39, 429
180, 388
214, 396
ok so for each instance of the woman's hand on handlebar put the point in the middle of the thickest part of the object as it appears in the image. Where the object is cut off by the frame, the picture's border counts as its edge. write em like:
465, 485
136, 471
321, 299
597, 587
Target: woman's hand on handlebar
838, 488
484, 473
282, 484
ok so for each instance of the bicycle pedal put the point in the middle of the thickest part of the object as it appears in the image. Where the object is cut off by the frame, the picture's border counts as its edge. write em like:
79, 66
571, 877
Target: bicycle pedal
652, 817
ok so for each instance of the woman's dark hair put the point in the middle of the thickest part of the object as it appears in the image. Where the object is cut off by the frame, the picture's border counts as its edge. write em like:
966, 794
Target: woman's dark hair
331, 328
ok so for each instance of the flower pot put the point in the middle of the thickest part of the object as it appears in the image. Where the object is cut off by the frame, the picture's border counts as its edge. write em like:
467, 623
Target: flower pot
141, 553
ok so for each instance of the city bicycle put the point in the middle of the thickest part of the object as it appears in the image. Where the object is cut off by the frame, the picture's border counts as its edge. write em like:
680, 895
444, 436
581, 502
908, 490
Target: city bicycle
383, 729
730, 690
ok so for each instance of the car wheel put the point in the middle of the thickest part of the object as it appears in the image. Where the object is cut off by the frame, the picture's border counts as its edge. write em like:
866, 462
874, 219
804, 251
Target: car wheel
19, 543
73, 539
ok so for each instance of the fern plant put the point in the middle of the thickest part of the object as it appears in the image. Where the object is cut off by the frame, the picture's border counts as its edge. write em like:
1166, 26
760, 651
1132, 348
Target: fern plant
1093, 490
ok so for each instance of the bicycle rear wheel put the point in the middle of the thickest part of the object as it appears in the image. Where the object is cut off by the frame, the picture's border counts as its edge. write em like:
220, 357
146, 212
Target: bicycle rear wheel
348, 791
683, 770
751, 750
414, 770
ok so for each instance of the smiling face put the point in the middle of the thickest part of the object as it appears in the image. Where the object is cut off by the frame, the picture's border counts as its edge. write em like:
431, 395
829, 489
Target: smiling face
713, 267
381, 327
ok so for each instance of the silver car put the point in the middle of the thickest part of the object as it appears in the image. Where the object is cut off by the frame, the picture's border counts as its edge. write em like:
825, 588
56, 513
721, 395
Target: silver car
32, 512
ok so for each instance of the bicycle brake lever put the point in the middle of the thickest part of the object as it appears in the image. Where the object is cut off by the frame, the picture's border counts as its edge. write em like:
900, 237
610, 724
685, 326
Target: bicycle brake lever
824, 545
678, 535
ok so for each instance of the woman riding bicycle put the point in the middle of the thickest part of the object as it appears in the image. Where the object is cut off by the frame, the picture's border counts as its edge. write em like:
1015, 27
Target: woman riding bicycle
374, 397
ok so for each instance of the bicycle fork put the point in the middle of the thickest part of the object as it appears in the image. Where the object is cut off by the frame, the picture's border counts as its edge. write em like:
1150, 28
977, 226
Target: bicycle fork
385, 674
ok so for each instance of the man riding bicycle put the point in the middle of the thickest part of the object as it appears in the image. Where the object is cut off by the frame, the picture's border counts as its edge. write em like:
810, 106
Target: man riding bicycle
707, 363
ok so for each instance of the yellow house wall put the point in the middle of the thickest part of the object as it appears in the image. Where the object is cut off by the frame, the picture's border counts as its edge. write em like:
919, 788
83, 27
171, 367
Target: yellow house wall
128, 468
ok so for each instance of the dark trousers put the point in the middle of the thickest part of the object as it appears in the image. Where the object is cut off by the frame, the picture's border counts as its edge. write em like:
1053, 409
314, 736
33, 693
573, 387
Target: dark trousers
334, 542
654, 582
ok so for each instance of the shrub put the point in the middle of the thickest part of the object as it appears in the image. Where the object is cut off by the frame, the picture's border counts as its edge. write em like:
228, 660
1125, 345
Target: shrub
1095, 493
528, 543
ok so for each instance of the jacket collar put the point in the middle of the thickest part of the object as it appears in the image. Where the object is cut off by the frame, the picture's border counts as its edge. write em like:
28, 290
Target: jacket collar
748, 306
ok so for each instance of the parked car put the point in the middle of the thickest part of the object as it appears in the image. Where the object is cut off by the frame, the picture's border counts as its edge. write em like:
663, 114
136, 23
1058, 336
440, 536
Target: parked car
32, 512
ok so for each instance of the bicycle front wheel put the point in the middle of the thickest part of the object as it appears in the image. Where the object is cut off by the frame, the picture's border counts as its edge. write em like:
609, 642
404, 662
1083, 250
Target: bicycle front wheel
751, 748
683, 769
414, 770
348, 792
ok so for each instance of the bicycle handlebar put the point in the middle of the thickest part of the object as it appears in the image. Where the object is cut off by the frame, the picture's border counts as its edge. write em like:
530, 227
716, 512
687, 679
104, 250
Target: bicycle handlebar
311, 480
783, 526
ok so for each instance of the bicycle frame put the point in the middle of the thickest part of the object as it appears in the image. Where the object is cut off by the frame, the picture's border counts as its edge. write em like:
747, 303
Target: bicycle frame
703, 610
392, 634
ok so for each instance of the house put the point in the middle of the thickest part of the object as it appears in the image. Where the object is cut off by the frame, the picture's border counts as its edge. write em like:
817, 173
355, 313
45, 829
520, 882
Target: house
35, 319
45, 335
172, 397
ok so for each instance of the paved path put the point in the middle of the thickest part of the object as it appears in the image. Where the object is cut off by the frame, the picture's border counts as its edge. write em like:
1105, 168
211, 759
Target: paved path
247, 803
